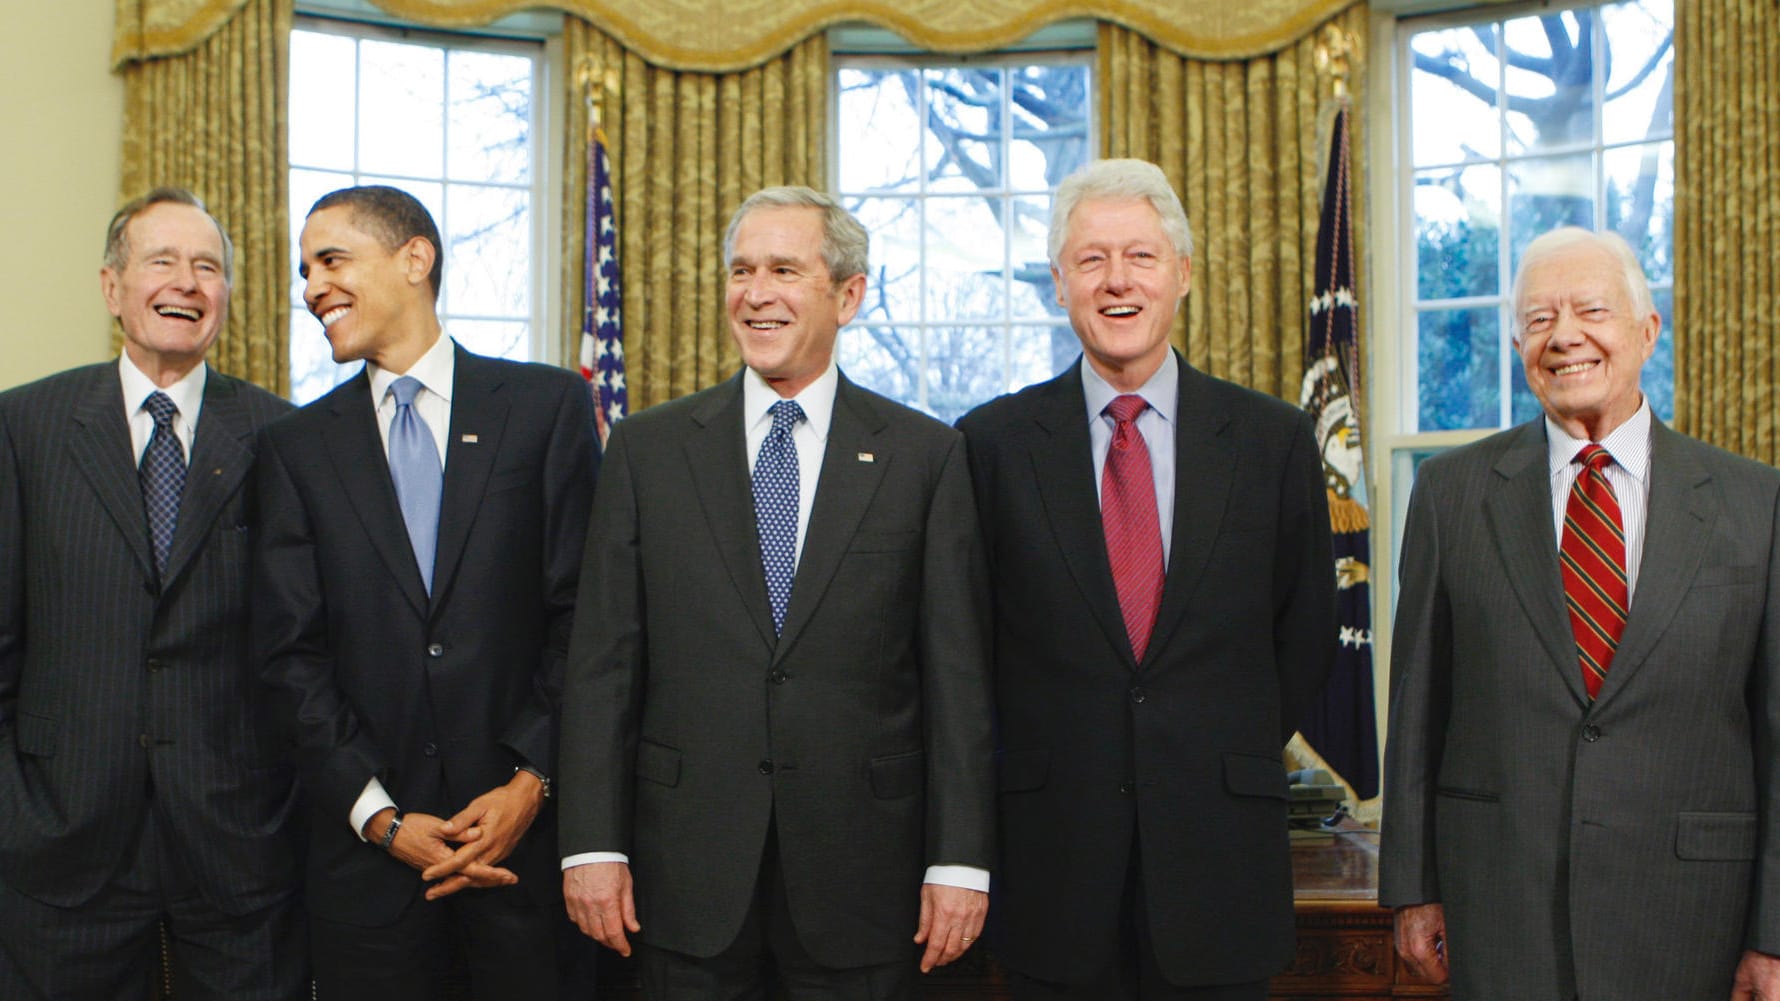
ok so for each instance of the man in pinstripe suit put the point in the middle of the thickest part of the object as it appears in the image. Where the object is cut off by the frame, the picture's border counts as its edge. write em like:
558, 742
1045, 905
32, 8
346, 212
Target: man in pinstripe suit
137, 786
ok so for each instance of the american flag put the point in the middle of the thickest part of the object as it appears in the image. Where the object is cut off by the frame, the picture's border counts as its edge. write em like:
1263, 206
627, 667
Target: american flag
602, 319
1342, 727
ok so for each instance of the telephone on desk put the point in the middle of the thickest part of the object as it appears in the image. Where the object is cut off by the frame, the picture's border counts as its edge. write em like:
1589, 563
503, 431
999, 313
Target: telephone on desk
1315, 805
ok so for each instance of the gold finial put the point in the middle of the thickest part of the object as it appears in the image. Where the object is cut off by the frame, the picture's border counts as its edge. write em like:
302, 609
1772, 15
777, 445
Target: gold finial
598, 82
1332, 51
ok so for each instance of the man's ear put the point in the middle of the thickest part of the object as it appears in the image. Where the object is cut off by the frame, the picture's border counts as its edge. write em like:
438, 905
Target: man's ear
108, 288
418, 255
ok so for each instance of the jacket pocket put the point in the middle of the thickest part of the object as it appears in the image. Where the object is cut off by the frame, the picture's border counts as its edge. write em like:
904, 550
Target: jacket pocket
1023, 770
658, 763
1729, 574
1715, 837
1254, 775
894, 776
36, 735
1474, 795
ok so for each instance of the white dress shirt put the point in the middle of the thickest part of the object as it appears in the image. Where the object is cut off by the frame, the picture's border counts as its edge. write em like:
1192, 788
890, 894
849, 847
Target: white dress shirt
1162, 392
1629, 473
810, 435
187, 395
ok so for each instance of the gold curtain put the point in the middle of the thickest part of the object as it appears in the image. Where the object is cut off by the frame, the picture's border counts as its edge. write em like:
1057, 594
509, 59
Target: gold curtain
1727, 223
686, 149
1243, 142
212, 120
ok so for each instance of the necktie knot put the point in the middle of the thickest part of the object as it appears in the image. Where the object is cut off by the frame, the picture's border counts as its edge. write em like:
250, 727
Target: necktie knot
786, 414
160, 407
1594, 457
1124, 409
404, 390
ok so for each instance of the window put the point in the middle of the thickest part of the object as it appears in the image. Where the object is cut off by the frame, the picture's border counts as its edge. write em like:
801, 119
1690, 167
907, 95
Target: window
455, 121
951, 167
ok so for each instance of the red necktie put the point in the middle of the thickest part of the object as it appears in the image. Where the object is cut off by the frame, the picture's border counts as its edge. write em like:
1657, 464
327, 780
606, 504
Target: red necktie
1128, 515
1592, 555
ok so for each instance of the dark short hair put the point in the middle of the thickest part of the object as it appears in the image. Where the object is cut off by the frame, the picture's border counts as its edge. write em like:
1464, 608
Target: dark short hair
117, 235
391, 215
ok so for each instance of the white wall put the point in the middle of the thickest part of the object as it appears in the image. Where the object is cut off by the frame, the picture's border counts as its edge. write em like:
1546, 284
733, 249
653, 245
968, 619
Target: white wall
63, 116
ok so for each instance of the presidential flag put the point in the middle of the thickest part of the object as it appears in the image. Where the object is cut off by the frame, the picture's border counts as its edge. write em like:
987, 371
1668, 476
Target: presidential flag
602, 320
1342, 727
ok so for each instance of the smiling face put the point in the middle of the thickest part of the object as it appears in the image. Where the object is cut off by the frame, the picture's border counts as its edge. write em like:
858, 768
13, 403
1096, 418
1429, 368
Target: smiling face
374, 302
169, 294
1121, 280
1581, 341
784, 308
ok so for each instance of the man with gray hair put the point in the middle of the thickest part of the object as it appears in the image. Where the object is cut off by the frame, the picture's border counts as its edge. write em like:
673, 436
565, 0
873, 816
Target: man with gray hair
1164, 600
139, 788
1581, 797
776, 730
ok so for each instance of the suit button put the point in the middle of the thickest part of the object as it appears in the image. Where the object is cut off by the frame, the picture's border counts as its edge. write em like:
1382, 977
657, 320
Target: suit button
1127, 788
1138, 695
1591, 733
779, 677
431, 749
155, 664
144, 740
766, 767
435, 649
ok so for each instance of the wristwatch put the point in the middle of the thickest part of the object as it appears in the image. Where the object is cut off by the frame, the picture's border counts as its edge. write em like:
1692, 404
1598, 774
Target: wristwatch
540, 776
389, 833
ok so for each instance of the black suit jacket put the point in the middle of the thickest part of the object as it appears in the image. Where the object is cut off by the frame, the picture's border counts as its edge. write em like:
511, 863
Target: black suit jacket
1177, 756
110, 685
438, 698
861, 734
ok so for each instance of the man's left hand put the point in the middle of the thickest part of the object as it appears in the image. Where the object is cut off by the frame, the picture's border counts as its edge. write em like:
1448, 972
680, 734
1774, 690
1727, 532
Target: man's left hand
951, 919
1757, 979
488, 830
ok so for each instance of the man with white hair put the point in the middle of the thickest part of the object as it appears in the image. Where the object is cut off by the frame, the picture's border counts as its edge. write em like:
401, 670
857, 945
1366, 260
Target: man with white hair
1164, 610
1581, 798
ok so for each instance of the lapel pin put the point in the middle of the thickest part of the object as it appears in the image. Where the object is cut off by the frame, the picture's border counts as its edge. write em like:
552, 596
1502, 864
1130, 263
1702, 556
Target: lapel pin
469, 439
867, 457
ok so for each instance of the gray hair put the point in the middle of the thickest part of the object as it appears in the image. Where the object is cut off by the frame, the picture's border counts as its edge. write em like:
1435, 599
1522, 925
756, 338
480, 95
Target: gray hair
1567, 238
1120, 180
117, 235
845, 244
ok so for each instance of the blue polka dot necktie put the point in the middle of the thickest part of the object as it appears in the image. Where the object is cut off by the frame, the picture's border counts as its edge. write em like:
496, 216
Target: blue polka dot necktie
418, 475
163, 478
775, 507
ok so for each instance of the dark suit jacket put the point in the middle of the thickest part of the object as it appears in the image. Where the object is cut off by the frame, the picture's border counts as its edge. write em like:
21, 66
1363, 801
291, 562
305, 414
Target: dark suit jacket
861, 735
111, 686
1177, 756
1621, 849
439, 699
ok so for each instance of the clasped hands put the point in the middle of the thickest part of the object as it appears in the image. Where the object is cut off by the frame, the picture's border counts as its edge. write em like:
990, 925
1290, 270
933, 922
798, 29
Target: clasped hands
467, 849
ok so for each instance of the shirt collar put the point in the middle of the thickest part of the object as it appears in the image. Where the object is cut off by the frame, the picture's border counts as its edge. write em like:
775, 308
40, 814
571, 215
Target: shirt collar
817, 399
1629, 444
435, 370
187, 394
1161, 391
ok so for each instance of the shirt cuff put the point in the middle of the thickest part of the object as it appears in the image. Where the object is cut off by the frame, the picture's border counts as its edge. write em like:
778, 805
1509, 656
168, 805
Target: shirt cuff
370, 802
967, 877
589, 858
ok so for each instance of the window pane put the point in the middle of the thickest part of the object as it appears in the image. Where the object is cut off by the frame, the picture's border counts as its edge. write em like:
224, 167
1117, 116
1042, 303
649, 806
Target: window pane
1034, 295
495, 338
490, 122
1037, 353
1459, 355
1452, 95
1553, 105
964, 126
874, 124
1547, 192
882, 357
401, 129
324, 73
487, 264
1050, 125
964, 368
1640, 100
965, 252
306, 186
312, 368
1458, 213
1659, 371
893, 289
1640, 202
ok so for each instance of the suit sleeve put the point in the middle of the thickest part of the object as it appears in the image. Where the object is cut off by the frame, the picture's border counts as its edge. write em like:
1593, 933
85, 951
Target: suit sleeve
954, 649
605, 671
1305, 626
12, 590
1764, 900
570, 466
1421, 664
291, 645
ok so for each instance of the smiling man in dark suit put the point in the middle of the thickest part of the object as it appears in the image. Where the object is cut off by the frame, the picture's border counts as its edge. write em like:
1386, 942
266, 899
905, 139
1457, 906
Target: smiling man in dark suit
1164, 610
415, 580
1582, 797
777, 711
138, 787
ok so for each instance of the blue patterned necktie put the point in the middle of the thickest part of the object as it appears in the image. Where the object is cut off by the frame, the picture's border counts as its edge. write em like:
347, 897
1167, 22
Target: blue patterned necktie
419, 478
775, 507
163, 478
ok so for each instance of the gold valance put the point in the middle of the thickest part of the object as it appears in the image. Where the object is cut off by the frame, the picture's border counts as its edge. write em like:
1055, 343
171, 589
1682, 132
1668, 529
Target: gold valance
728, 35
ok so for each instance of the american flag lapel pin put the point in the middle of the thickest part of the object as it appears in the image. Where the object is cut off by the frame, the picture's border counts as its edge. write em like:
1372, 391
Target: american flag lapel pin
469, 439
867, 457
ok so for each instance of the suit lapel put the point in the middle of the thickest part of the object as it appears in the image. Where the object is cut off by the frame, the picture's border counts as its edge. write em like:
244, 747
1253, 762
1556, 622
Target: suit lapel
478, 420
1203, 453
1683, 504
844, 490
222, 454
1063, 464
716, 453
1518, 508
356, 451
101, 450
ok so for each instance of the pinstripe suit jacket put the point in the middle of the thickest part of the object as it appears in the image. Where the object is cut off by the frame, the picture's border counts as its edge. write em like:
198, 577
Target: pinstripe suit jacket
110, 686
1614, 850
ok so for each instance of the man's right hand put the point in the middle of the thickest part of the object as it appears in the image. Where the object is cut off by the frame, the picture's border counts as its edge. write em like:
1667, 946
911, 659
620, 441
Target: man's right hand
1421, 940
598, 896
419, 845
